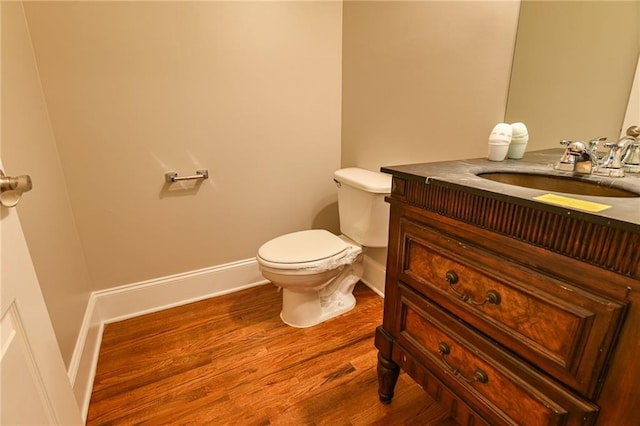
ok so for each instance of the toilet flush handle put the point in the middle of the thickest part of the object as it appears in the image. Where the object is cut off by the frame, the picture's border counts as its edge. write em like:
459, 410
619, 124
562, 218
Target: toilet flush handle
338, 184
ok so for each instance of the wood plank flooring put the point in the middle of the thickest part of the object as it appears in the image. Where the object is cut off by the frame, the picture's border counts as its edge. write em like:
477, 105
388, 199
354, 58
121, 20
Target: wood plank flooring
231, 360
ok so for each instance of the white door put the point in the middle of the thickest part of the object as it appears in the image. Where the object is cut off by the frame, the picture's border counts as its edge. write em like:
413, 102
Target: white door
34, 387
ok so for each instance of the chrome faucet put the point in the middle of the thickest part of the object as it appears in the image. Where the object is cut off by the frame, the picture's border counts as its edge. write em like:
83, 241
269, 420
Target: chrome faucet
577, 158
622, 153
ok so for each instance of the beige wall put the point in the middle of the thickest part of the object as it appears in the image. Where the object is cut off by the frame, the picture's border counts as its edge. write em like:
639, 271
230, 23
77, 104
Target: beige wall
28, 147
423, 81
632, 112
573, 68
249, 90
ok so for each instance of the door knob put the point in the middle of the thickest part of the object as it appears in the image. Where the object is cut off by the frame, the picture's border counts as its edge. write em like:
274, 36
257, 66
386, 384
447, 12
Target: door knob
11, 188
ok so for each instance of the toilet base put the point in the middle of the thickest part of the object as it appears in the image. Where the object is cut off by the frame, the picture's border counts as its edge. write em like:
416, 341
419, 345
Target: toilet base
314, 297
306, 309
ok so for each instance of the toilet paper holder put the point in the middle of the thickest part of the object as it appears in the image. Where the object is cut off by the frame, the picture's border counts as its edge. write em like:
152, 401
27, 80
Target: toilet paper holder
171, 177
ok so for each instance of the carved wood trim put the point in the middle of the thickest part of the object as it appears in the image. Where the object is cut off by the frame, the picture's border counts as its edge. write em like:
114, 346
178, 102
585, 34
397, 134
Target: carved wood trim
607, 247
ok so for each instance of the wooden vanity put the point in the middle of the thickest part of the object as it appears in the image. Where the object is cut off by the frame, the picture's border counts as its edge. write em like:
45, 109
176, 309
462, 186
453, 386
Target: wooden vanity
508, 310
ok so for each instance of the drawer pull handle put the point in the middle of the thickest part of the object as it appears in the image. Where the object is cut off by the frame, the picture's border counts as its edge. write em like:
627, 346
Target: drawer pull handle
478, 375
492, 297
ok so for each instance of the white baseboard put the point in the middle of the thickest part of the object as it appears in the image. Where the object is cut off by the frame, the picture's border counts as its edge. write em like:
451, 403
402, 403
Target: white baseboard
374, 275
131, 300
82, 368
144, 297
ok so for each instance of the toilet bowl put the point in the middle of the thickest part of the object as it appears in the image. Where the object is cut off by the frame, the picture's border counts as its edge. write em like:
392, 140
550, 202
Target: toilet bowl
317, 270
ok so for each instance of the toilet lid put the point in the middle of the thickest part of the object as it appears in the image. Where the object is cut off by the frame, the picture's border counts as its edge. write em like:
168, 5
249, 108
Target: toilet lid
302, 247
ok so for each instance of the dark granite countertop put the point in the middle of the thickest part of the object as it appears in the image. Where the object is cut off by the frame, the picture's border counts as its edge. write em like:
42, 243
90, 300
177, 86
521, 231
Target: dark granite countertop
623, 213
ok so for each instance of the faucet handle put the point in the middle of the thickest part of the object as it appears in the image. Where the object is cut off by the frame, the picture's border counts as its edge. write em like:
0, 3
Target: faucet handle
565, 142
593, 145
576, 147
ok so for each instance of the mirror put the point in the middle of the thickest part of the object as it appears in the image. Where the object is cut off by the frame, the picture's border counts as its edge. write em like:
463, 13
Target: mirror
573, 67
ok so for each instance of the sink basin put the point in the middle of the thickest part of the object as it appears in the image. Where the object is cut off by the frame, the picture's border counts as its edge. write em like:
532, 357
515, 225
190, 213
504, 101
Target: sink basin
563, 184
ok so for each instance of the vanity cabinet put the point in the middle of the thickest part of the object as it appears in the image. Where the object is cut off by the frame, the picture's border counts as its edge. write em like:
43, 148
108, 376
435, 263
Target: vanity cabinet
510, 311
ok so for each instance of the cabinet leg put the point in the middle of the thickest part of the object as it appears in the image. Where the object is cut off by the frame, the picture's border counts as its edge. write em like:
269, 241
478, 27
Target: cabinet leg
388, 372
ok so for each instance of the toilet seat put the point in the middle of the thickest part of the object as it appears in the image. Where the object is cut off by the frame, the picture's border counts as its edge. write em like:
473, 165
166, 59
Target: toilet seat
310, 249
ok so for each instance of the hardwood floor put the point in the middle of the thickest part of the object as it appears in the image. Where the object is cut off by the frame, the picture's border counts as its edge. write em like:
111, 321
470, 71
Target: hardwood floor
231, 360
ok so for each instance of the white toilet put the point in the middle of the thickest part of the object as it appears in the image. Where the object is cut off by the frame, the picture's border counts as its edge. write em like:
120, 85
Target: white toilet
316, 269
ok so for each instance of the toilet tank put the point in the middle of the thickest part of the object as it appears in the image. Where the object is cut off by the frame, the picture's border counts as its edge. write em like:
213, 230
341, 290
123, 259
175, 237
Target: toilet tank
364, 215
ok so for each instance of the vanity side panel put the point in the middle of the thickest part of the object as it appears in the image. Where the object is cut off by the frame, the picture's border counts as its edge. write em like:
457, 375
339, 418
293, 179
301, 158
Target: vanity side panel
394, 265
387, 370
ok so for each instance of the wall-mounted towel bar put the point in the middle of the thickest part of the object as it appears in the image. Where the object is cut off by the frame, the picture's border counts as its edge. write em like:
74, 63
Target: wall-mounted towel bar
172, 177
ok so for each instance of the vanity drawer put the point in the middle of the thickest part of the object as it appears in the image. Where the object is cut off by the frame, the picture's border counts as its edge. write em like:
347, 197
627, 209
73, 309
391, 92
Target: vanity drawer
561, 328
502, 389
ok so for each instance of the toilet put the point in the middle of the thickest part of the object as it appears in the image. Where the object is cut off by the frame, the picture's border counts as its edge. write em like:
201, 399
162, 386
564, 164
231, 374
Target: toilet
317, 270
